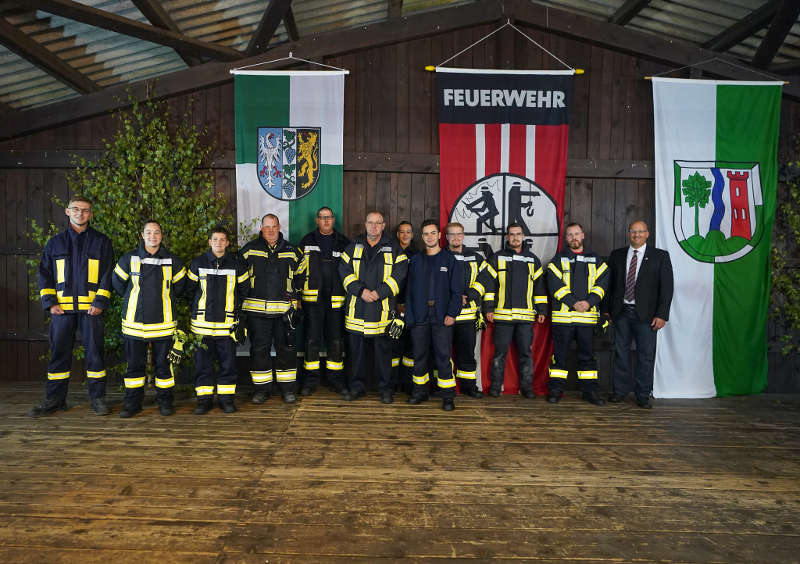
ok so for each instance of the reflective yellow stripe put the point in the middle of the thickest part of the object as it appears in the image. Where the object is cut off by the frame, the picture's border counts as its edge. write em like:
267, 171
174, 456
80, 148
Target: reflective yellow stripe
587, 374
47, 292
134, 382
531, 278
192, 276
311, 365
408, 362
286, 375
204, 390
395, 362
556, 373
100, 374
121, 273
226, 389
166, 301
332, 365
103, 293
261, 376
93, 271
179, 276
467, 375
421, 380
449, 383
60, 271
165, 382
554, 269
57, 375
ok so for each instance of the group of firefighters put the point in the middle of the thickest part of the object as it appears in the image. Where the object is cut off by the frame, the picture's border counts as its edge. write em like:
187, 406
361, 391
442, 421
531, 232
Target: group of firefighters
410, 316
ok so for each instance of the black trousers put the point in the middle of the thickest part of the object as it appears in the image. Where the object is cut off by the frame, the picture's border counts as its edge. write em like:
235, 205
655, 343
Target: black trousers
223, 350
382, 362
136, 357
62, 339
522, 335
323, 323
628, 327
587, 365
264, 332
424, 336
403, 361
464, 339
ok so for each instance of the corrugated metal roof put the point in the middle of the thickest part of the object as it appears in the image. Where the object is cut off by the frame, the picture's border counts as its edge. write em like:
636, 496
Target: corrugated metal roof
109, 58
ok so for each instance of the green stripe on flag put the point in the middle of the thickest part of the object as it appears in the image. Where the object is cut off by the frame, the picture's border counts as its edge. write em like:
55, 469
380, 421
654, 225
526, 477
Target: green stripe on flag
260, 101
748, 118
327, 192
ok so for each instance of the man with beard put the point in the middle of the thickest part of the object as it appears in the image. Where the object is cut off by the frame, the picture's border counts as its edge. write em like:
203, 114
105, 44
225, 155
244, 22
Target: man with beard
578, 280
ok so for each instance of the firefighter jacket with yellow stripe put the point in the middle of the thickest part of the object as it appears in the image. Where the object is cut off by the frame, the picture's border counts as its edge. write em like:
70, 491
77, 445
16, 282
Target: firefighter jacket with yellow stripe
382, 268
149, 285
512, 285
217, 287
322, 267
276, 276
75, 271
574, 277
472, 264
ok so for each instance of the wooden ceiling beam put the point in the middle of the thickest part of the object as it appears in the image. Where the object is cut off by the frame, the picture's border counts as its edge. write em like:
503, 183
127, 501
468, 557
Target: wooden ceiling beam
779, 28
126, 26
159, 17
755, 21
270, 20
291, 25
39, 56
628, 11
789, 67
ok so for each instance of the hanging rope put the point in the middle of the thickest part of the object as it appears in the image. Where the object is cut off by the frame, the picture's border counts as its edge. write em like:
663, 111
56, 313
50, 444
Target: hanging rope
291, 57
711, 60
487, 36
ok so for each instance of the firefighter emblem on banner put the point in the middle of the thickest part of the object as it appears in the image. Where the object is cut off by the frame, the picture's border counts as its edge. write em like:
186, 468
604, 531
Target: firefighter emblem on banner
288, 161
490, 204
718, 209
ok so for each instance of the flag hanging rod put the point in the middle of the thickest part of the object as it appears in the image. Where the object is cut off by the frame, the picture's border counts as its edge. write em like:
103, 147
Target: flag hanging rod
291, 57
711, 60
508, 23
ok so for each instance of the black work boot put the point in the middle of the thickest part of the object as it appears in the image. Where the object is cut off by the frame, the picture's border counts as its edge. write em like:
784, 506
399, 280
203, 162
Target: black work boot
227, 405
99, 406
165, 408
48, 407
130, 410
203, 406
261, 394
448, 404
594, 398
497, 374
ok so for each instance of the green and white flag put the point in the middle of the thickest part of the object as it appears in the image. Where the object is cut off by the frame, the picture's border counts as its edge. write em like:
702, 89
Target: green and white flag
716, 148
288, 147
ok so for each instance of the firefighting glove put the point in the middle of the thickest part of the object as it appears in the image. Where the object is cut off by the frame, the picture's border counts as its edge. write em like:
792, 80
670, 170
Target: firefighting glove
602, 326
176, 354
394, 329
480, 323
239, 331
292, 318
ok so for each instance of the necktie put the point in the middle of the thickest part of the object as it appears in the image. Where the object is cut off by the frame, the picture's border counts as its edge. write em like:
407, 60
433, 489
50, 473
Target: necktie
630, 281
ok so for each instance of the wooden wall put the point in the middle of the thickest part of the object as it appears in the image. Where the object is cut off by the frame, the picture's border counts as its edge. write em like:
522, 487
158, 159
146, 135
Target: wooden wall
391, 153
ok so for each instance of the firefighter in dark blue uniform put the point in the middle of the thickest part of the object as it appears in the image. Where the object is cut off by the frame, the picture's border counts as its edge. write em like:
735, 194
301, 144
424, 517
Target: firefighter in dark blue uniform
577, 280
515, 297
402, 349
372, 269
465, 333
149, 279
323, 303
276, 275
75, 286
217, 281
434, 290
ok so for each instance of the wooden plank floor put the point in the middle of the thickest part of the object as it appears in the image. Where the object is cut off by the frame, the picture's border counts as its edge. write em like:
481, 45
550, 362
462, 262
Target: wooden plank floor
329, 481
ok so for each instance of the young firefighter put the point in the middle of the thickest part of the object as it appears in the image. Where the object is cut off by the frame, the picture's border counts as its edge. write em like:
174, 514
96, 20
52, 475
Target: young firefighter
433, 300
217, 282
149, 279
75, 286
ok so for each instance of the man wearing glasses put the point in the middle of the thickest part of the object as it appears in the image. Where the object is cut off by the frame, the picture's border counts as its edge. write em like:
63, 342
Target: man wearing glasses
373, 269
75, 286
640, 294
464, 331
323, 301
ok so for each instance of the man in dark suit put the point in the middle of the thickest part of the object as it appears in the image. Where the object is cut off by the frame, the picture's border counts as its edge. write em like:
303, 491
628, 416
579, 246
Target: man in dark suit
639, 296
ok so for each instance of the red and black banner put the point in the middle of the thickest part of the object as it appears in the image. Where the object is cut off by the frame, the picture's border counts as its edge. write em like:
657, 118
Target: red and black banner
503, 159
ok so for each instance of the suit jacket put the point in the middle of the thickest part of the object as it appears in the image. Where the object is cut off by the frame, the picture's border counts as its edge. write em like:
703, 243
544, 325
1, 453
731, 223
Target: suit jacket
653, 290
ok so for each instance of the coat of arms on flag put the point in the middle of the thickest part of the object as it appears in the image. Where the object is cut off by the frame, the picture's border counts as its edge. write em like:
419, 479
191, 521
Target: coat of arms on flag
718, 209
288, 160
